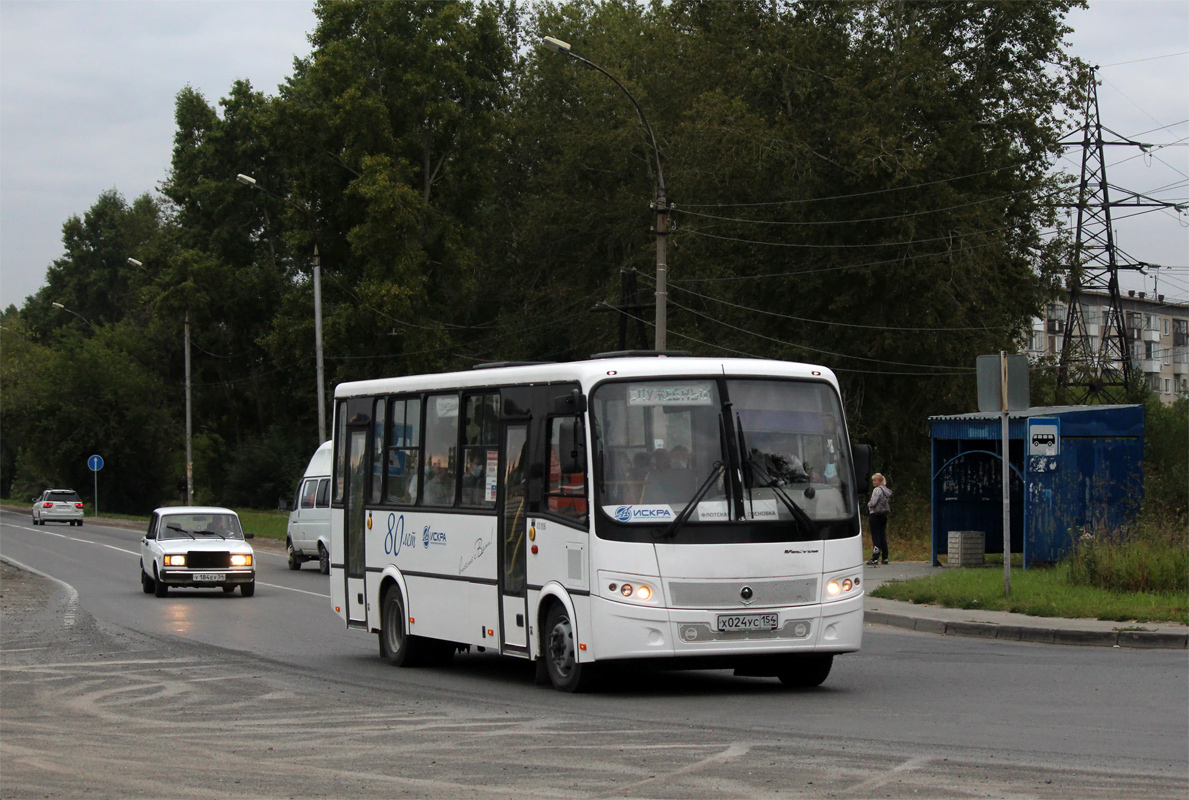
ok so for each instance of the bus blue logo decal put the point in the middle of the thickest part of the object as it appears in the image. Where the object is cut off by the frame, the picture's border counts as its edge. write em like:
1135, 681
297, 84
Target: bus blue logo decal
396, 535
623, 513
429, 537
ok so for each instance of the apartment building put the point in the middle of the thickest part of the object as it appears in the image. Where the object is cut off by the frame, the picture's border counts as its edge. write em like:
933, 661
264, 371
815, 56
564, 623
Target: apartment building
1157, 336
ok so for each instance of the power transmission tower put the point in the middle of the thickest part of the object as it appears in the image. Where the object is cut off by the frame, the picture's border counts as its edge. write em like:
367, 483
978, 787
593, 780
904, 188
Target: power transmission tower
1097, 368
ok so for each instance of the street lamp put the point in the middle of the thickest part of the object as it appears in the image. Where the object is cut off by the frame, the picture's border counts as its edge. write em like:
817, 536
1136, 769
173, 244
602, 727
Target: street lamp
659, 205
189, 418
68, 311
248, 180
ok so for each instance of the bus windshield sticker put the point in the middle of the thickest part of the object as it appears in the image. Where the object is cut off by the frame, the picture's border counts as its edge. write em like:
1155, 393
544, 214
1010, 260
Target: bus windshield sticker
686, 393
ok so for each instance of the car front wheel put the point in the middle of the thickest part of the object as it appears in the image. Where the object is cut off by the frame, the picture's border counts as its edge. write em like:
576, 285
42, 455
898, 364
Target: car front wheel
248, 589
323, 560
159, 587
146, 583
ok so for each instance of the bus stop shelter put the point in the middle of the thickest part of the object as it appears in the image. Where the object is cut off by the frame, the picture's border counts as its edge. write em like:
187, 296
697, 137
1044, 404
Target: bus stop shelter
1073, 469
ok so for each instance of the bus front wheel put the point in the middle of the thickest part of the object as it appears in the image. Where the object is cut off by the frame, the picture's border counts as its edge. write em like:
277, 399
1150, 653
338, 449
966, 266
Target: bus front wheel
560, 653
805, 672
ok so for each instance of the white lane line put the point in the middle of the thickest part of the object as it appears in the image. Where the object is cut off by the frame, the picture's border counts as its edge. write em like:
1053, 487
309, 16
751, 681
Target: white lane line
299, 591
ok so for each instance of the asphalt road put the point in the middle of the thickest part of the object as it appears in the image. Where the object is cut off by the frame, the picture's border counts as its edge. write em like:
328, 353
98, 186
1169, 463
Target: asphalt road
113, 693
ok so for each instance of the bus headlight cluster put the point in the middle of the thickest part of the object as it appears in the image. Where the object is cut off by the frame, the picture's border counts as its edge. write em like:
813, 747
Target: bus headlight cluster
837, 587
632, 590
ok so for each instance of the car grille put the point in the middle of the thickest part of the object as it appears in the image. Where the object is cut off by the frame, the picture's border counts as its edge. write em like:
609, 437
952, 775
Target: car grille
204, 559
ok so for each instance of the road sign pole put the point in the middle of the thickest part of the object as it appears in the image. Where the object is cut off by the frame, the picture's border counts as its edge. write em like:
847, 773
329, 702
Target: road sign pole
95, 463
1006, 480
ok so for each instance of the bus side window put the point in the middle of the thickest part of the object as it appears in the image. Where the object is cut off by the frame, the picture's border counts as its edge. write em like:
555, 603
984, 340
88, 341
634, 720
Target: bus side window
481, 450
566, 490
441, 446
404, 451
323, 498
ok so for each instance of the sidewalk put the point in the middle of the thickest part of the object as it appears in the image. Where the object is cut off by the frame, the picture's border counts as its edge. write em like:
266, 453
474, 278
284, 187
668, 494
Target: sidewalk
1005, 625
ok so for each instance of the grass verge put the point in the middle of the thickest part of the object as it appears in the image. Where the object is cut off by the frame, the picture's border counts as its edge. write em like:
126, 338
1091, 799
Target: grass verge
1039, 593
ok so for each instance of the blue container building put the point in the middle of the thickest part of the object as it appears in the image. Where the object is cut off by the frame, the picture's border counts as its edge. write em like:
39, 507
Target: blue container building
1073, 469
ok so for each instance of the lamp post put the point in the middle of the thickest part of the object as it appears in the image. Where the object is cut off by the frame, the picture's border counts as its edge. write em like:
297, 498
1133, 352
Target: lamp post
189, 416
248, 180
659, 206
68, 311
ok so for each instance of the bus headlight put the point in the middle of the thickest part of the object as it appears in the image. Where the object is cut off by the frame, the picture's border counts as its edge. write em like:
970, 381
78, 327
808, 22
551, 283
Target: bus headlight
633, 590
839, 587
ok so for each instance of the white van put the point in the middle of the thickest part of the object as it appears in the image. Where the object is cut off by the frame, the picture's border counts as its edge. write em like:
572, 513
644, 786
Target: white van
308, 534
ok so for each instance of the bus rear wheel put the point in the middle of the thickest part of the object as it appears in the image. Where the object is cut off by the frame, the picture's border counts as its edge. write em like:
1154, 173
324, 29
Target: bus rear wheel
805, 672
400, 648
560, 653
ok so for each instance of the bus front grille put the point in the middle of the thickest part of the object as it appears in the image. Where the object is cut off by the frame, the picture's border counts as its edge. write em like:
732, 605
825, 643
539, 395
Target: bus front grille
730, 594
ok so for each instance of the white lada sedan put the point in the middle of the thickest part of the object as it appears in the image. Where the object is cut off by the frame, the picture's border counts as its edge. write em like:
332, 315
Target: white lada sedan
196, 547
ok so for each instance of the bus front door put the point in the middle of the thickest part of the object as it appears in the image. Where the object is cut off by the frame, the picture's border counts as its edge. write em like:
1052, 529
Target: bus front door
355, 521
513, 527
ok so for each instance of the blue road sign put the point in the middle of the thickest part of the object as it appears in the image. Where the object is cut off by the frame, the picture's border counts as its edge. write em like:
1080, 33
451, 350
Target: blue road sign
95, 463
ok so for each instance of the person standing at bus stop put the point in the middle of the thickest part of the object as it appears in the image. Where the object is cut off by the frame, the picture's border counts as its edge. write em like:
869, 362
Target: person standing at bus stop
878, 509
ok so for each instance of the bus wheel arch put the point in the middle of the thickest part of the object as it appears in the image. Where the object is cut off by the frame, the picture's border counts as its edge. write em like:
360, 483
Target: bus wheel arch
558, 648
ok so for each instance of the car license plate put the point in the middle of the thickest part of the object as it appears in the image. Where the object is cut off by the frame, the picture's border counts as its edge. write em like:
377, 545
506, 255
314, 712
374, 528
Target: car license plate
208, 576
747, 622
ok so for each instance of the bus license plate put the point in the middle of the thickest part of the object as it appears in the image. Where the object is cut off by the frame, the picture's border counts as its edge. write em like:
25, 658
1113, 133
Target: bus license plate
747, 622
212, 577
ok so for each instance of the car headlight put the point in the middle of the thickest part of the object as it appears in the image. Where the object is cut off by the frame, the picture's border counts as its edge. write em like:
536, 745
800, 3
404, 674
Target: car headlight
241, 560
175, 561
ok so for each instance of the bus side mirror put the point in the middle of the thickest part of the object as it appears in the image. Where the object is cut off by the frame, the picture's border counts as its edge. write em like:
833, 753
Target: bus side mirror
572, 403
571, 446
862, 455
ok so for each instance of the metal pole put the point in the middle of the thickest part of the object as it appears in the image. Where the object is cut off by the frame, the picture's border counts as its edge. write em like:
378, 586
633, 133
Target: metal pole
189, 449
318, 345
1005, 477
662, 294
95, 475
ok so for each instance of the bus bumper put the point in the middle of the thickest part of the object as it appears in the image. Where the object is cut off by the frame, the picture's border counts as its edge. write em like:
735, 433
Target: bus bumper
627, 631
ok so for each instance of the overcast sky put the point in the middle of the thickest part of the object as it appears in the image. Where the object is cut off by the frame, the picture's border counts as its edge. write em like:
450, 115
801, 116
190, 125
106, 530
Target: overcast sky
87, 94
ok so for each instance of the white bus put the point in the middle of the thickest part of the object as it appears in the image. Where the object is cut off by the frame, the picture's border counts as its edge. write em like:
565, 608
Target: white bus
697, 512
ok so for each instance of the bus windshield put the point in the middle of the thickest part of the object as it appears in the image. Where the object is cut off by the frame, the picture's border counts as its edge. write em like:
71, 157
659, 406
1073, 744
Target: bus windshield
781, 445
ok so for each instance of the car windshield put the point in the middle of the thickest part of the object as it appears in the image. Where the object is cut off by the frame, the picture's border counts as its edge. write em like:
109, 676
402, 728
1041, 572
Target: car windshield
198, 526
659, 441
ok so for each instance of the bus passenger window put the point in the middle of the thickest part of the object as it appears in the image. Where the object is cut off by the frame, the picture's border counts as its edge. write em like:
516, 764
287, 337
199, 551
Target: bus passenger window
404, 451
566, 490
441, 445
481, 451
308, 490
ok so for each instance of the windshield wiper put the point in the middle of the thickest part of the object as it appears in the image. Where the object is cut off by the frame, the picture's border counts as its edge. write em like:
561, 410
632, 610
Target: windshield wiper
180, 529
688, 511
774, 484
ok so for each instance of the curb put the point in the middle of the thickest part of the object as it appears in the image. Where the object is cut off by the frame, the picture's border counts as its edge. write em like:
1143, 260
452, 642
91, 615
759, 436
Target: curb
1143, 640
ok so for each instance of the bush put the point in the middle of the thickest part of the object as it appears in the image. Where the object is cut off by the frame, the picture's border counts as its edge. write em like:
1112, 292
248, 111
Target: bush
1148, 556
